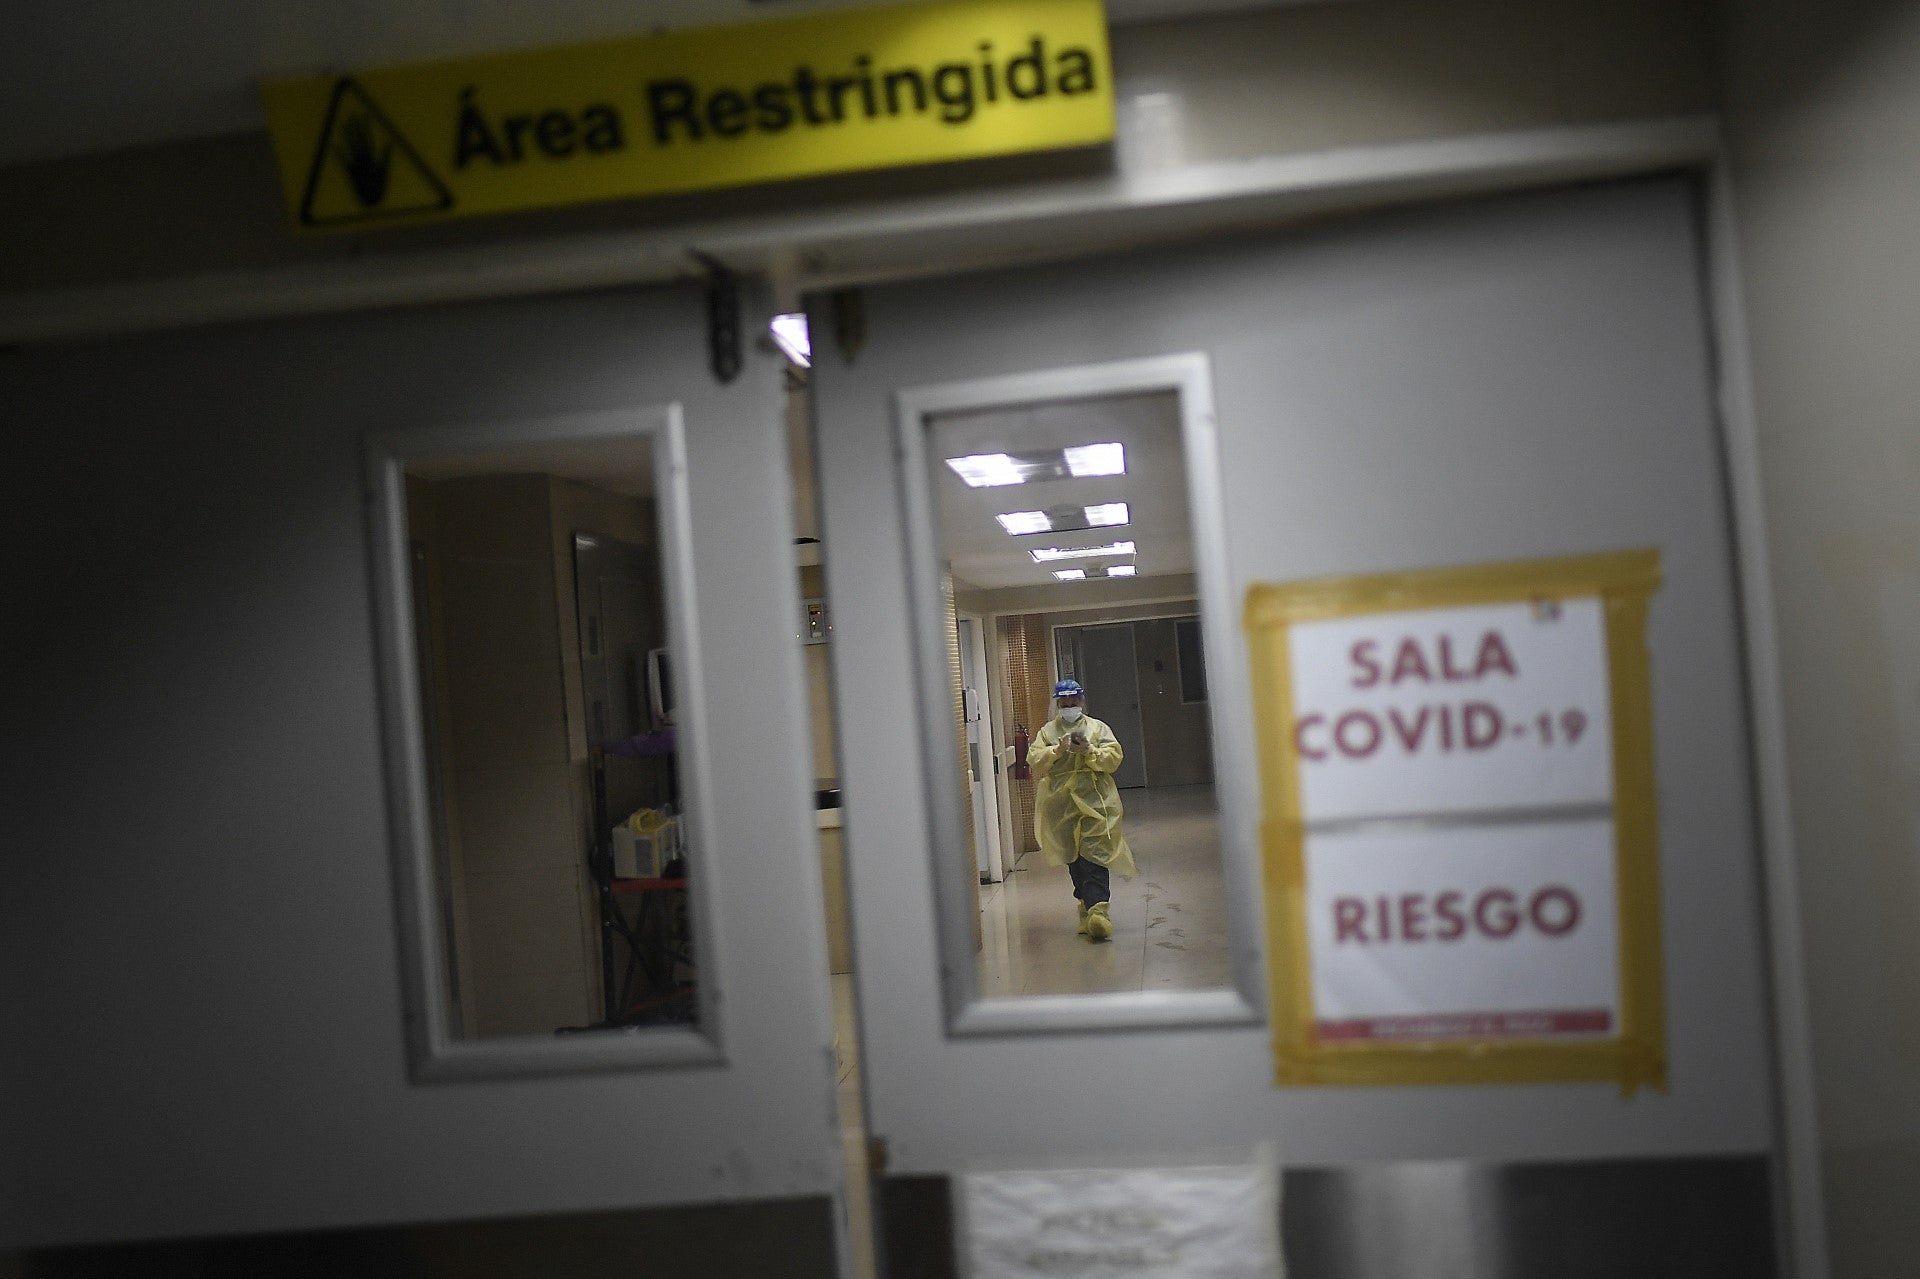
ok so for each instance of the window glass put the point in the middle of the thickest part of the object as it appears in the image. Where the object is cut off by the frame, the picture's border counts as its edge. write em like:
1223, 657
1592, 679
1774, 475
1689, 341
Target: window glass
1092, 826
547, 705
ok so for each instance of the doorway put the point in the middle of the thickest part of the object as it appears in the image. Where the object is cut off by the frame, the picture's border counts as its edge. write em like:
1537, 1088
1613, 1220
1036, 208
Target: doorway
1164, 678
1103, 658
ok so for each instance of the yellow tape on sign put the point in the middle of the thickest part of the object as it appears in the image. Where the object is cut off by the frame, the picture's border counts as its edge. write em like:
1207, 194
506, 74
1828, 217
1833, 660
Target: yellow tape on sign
1425, 1042
689, 110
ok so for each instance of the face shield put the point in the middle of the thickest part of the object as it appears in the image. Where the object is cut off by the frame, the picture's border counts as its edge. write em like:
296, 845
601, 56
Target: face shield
1068, 699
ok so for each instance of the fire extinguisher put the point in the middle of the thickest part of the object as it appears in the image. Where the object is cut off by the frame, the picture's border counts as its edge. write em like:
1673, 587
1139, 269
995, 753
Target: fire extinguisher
1020, 772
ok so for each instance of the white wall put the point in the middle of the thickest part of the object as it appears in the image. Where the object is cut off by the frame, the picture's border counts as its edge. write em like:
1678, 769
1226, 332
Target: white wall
1824, 111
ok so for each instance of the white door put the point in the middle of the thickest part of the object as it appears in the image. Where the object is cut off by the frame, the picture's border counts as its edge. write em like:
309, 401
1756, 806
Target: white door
1503, 380
223, 1019
982, 762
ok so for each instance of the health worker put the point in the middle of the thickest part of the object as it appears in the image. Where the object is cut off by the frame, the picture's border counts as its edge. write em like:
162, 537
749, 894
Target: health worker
1077, 807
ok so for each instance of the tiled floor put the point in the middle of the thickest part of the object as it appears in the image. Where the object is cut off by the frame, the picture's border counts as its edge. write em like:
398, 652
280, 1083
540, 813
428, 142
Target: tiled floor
1170, 924
1170, 933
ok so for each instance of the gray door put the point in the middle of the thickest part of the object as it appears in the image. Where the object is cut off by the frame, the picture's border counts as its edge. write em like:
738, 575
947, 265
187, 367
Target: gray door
222, 958
1104, 657
1472, 383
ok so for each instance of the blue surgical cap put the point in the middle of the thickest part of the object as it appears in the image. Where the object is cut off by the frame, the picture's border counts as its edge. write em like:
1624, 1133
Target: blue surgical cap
1069, 688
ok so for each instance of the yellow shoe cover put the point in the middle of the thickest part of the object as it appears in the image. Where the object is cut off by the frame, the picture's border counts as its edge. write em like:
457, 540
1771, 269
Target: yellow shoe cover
1099, 924
1082, 930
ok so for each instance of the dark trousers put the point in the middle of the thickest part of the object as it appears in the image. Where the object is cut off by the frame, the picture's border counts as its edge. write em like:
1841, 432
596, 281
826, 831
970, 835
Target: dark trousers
1090, 880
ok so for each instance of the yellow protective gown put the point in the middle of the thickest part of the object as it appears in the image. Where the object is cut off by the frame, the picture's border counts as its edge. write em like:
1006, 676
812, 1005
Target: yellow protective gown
1076, 806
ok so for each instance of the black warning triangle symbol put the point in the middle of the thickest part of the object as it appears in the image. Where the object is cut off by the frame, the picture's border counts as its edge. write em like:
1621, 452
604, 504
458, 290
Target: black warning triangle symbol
364, 168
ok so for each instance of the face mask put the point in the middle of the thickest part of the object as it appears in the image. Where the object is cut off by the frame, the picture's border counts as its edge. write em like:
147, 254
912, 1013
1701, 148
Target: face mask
1071, 714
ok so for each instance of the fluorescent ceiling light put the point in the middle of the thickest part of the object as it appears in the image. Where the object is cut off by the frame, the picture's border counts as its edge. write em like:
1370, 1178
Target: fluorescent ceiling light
1070, 574
1064, 519
1019, 522
1120, 570
790, 334
1096, 459
1045, 554
987, 470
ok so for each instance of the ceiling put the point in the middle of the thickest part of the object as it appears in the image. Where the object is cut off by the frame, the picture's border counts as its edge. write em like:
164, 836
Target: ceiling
90, 75
982, 555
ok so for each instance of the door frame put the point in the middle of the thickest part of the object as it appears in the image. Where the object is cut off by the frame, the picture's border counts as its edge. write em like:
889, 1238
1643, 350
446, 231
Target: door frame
946, 233
435, 1049
1189, 377
1798, 1184
885, 239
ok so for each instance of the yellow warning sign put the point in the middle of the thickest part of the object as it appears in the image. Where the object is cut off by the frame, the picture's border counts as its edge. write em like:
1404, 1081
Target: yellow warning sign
365, 168
801, 97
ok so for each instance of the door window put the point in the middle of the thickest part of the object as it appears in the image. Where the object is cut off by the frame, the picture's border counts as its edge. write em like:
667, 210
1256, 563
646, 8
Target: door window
556, 844
1073, 516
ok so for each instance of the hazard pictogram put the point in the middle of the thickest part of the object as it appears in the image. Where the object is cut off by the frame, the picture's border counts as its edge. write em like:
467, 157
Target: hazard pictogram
364, 169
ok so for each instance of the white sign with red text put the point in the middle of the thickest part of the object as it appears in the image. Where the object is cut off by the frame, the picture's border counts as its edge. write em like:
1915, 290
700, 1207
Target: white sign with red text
1486, 931
1456, 783
1452, 710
